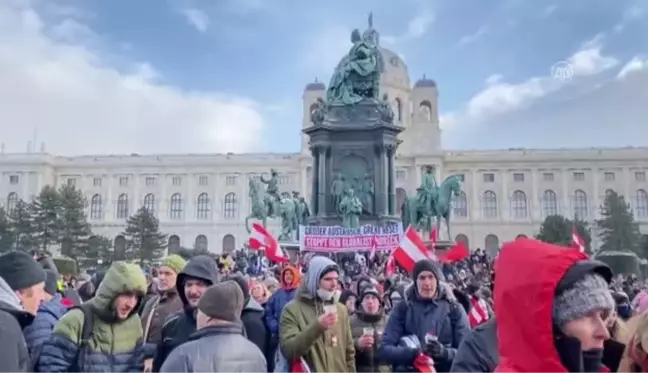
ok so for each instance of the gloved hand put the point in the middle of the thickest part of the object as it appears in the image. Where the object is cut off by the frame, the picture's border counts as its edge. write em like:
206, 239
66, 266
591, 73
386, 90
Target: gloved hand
436, 350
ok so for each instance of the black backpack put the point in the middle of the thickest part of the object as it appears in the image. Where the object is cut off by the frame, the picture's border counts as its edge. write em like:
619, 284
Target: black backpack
84, 338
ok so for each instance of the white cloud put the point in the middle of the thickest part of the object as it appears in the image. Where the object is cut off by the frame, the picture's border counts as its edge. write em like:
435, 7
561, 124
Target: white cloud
474, 37
79, 105
629, 15
197, 18
494, 79
635, 65
590, 61
417, 27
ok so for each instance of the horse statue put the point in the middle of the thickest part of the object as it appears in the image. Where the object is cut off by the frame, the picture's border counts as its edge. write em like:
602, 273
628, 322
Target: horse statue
263, 207
413, 213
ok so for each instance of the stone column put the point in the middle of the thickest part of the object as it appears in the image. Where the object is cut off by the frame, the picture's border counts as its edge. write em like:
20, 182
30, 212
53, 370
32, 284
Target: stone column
391, 150
321, 188
381, 181
315, 182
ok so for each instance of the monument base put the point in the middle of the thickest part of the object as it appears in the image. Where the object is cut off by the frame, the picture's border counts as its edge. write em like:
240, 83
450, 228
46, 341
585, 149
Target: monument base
439, 245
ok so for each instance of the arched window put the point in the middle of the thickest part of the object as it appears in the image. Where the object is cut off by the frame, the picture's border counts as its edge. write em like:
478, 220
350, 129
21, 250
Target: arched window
426, 110
149, 203
229, 243
491, 245
12, 201
580, 204
460, 205
120, 248
549, 203
176, 208
202, 207
641, 208
231, 206
201, 243
96, 207
174, 244
122, 206
519, 205
463, 238
489, 204
398, 109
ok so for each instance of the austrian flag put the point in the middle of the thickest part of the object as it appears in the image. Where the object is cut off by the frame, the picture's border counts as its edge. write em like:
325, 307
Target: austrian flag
411, 250
261, 240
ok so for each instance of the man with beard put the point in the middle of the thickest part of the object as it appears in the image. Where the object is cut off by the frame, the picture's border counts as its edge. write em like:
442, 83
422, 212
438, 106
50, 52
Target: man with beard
158, 309
198, 274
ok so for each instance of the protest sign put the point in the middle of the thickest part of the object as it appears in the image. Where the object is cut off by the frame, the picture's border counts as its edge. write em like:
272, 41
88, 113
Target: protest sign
338, 239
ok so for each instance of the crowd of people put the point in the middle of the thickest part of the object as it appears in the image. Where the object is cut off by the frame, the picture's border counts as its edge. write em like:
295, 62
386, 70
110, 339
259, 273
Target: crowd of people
534, 308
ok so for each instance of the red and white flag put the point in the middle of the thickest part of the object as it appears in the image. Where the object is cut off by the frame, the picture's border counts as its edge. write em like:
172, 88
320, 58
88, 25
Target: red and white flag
411, 250
577, 241
374, 248
261, 240
390, 265
478, 312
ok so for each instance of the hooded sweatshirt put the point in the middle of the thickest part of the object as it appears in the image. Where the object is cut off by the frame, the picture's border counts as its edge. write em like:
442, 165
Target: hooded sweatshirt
300, 334
178, 327
14, 355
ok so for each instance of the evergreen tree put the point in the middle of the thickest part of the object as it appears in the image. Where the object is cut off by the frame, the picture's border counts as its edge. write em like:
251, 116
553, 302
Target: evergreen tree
100, 252
7, 242
21, 227
557, 229
618, 230
45, 212
144, 241
73, 222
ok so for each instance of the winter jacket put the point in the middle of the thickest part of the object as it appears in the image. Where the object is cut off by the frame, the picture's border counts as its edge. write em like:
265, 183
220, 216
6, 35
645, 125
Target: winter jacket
156, 311
255, 329
368, 360
478, 351
114, 345
40, 330
233, 352
14, 355
279, 299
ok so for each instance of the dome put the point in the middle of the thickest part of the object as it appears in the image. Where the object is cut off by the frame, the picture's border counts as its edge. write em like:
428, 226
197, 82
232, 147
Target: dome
315, 86
425, 83
395, 72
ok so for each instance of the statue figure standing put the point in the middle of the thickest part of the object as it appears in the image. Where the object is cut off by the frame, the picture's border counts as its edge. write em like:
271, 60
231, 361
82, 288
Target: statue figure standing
288, 217
337, 189
272, 189
427, 192
367, 193
319, 112
386, 110
351, 209
301, 211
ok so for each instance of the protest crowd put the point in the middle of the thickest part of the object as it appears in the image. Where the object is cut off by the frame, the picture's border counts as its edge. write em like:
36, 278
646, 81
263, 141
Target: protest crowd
536, 307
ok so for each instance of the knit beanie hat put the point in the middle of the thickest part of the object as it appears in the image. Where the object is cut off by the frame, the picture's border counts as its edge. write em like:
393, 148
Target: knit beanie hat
586, 295
51, 282
223, 301
370, 290
20, 271
426, 265
175, 262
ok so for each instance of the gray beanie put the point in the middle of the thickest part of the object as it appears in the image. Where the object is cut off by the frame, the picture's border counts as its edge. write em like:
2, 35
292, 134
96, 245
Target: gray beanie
586, 295
223, 300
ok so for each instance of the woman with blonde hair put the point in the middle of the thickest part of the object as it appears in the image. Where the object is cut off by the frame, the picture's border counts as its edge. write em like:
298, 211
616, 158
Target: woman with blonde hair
259, 292
635, 357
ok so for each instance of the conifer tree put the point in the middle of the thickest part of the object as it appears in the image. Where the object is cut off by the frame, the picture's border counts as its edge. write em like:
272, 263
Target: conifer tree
617, 228
144, 241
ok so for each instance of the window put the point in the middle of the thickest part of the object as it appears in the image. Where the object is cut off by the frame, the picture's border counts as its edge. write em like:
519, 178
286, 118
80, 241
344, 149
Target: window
96, 207
460, 205
177, 181
150, 181
96, 181
176, 207
122, 206
12, 201
548, 176
149, 203
202, 206
549, 203
579, 176
284, 180
400, 174
203, 180
123, 181
640, 176
398, 109
489, 204
608, 176
13, 179
519, 205
71, 182
230, 180
641, 208
201, 243
231, 206
489, 178
580, 204
518, 177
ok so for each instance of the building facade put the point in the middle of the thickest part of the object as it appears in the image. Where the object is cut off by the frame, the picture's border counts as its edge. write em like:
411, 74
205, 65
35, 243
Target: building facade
202, 200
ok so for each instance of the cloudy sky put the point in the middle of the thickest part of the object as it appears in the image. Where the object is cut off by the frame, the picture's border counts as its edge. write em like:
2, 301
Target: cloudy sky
195, 76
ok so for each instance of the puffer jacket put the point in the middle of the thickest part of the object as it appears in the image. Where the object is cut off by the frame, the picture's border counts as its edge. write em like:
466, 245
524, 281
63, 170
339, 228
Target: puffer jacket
235, 353
278, 301
114, 345
367, 360
41, 328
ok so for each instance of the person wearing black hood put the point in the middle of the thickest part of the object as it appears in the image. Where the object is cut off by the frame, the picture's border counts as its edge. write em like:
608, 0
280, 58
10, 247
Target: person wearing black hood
198, 274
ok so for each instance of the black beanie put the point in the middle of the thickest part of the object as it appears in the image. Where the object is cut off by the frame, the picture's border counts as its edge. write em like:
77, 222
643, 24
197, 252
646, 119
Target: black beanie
20, 271
51, 282
426, 265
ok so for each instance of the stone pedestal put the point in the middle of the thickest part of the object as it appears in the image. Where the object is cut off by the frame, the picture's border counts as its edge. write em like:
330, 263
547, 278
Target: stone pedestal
354, 143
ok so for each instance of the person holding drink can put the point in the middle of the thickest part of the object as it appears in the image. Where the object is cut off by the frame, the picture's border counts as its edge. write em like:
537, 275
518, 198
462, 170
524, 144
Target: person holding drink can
367, 326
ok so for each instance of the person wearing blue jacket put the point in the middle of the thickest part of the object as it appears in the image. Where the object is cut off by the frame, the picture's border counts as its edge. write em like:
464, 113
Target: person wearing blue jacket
431, 315
49, 313
290, 278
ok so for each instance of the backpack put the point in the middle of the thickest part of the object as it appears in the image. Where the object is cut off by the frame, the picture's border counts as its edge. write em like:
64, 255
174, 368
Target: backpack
84, 338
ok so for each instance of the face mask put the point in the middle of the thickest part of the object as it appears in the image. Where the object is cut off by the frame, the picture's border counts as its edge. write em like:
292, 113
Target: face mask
325, 295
